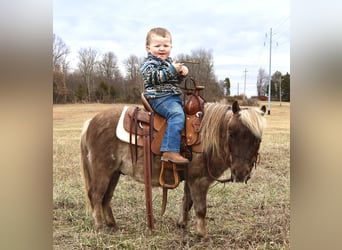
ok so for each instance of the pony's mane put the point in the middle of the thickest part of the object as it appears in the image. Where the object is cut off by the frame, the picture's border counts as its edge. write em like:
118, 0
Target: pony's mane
216, 114
254, 120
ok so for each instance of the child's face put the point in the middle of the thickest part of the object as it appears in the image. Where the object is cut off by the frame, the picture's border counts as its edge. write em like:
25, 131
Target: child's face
159, 46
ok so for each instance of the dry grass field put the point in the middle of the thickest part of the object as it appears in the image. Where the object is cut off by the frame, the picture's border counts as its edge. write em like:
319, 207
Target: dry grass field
239, 216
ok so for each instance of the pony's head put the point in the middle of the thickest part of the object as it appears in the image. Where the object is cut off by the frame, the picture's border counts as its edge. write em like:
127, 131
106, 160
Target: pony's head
232, 135
245, 130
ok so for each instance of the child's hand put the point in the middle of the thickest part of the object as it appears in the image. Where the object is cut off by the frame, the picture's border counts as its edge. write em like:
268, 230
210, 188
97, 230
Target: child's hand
183, 70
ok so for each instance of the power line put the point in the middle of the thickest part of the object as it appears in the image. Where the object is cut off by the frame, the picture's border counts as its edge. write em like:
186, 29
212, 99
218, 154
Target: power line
261, 51
280, 33
282, 23
280, 30
281, 44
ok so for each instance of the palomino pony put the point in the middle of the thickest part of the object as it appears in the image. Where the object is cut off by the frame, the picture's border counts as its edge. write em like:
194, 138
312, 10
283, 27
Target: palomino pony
230, 139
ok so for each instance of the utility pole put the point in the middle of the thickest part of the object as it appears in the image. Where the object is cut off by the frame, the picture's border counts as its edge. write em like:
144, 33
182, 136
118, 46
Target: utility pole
238, 89
280, 91
244, 88
269, 76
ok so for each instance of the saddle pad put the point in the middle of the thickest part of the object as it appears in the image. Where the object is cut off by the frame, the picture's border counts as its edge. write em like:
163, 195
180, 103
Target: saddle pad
122, 134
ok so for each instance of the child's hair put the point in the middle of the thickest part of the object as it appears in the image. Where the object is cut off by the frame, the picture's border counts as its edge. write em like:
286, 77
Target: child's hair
158, 31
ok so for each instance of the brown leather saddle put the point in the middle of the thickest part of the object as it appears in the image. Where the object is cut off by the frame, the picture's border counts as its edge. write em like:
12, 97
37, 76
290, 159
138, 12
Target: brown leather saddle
135, 118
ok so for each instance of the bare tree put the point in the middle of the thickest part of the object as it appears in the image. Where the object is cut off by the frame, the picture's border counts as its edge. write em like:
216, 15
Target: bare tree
133, 64
59, 87
276, 80
109, 66
87, 62
261, 82
134, 78
59, 53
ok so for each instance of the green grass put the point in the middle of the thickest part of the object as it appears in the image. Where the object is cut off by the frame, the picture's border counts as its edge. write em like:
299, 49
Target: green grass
253, 216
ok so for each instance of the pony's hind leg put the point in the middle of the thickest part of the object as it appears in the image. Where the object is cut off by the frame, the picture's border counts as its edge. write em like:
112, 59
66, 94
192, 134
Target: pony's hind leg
106, 208
97, 191
185, 208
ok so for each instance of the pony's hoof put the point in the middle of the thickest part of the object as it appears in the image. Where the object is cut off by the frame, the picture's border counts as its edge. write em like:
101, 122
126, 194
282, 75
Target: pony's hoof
181, 224
113, 228
202, 233
203, 236
109, 229
98, 227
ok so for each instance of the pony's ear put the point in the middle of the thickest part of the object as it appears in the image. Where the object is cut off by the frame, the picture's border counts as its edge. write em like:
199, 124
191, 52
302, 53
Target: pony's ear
263, 109
236, 107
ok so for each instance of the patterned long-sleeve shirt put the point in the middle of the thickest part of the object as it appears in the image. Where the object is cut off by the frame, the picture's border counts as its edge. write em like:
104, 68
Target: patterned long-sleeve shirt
160, 77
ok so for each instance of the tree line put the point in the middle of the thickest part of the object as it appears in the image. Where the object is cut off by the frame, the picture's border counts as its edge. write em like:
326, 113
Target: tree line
99, 79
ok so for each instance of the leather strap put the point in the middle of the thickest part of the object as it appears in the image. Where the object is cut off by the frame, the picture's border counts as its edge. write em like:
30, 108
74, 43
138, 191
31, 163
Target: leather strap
148, 166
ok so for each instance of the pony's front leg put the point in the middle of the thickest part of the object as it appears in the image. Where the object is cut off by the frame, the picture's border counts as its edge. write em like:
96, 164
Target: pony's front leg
199, 190
186, 206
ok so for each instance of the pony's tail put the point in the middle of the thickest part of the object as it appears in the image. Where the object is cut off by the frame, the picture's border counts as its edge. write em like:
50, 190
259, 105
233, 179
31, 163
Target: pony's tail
85, 165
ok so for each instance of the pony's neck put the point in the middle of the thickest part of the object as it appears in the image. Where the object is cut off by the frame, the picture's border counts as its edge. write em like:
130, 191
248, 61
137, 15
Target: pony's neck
214, 128
222, 151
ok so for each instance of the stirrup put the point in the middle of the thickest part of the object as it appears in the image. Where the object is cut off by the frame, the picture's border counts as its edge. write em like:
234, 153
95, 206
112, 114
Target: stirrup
172, 166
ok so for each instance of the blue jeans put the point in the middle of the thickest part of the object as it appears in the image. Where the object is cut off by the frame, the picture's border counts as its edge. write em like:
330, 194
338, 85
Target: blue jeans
170, 107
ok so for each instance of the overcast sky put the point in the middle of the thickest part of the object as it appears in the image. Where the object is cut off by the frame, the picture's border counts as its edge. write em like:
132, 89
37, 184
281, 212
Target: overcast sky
237, 32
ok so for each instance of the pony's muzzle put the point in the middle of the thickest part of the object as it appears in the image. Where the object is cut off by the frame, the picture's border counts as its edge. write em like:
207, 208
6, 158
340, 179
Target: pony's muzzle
242, 174
244, 179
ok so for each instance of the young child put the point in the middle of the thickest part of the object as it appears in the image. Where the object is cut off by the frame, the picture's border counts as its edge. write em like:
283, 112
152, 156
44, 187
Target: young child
161, 75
